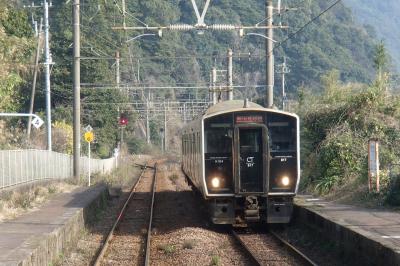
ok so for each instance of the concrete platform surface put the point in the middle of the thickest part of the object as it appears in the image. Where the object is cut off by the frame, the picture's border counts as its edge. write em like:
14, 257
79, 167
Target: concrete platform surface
39, 237
374, 233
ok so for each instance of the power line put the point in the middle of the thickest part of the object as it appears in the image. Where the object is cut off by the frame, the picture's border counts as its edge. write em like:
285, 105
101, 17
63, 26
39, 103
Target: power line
292, 35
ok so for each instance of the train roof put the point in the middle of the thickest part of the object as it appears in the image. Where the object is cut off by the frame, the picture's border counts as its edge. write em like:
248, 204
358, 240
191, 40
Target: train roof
238, 105
231, 105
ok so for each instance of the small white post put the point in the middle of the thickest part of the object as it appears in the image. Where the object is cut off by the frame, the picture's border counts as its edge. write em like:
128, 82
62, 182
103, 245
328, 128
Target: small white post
89, 161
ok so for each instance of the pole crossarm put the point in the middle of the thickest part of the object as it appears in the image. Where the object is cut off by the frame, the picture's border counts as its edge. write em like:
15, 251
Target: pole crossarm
188, 27
19, 115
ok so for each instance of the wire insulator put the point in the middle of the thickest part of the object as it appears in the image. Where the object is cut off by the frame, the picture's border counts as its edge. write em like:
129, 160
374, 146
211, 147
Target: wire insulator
181, 27
222, 27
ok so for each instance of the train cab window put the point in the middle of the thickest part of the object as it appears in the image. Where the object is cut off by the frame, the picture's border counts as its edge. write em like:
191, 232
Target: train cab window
250, 142
218, 143
282, 134
218, 140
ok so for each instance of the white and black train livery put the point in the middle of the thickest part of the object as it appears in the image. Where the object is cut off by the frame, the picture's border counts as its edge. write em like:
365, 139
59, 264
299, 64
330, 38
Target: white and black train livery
244, 160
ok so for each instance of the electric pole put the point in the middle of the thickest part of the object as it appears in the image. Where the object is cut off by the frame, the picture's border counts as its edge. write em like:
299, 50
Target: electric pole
270, 54
165, 127
32, 100
230, 74
47, 73
283, 71
118, 72
147, 122
77, 89
214, 88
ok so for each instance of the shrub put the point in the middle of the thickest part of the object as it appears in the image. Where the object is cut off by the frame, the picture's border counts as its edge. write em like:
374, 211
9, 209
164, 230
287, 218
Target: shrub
168, 249
215, 260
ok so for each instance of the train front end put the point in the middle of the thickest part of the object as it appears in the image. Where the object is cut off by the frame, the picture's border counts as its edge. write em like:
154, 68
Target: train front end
251, 165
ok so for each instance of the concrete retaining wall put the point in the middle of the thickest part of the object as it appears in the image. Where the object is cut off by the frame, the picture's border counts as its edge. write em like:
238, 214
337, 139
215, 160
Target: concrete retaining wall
361, 249
52, 237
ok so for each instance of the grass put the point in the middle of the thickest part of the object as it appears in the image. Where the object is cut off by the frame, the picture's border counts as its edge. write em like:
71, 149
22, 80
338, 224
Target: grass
215, 260
173, 178
16, 202
23, 200
168, 249
52, 189
120, 177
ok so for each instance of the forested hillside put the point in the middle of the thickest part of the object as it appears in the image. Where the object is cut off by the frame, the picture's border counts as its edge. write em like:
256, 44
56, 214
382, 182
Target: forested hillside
333, 42
383, 18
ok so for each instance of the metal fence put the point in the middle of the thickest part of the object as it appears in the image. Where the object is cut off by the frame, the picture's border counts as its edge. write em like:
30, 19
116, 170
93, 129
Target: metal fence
23, 166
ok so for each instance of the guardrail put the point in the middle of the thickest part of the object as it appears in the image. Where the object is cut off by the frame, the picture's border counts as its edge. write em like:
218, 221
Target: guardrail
24, 166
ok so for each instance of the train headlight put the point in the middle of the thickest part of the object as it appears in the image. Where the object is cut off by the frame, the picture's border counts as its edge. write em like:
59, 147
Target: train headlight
285, 181
215, 182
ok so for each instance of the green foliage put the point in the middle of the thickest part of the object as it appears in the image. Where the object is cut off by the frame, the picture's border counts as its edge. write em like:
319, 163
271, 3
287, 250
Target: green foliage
168, 249
215, 260
103, 151
333, 42
15, 23
136, 145
393, 195
15, 52
380, 57
335, 133
9, 95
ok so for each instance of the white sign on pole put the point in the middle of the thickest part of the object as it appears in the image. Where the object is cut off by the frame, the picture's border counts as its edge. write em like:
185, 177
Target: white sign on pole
37, 122
373, 163
88, 128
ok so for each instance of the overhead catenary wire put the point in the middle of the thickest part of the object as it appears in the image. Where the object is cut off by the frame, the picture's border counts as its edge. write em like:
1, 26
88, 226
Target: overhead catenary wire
292, 35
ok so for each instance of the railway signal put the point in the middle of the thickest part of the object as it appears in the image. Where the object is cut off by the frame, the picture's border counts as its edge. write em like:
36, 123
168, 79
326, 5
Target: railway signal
123, 121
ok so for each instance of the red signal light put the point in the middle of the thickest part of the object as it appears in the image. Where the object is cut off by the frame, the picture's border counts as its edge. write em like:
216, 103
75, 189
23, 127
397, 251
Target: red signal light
123, 121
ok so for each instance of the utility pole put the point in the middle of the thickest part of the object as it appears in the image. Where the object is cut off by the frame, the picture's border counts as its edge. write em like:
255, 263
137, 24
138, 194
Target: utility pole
230, 75
184, 113
214, 88
283, 71
35, 71
47, 74
165, 127
77, 89
118, 72
270, 54
147, 122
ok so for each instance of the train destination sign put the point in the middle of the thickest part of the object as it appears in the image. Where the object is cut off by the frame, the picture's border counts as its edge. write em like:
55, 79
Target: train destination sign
249, 119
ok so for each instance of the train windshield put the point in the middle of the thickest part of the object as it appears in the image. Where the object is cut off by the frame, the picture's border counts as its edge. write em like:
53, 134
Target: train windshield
218, 140
282, 136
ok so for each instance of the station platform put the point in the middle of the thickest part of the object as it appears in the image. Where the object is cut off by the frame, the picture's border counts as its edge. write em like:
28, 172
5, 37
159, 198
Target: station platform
372, 235
41, 236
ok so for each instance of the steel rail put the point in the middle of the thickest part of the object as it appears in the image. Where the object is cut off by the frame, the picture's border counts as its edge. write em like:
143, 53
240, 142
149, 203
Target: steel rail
250, 254
148, 241
116, 223
293, 250
303, 259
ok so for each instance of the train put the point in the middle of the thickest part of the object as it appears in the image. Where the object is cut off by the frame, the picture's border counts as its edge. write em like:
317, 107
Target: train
244, 160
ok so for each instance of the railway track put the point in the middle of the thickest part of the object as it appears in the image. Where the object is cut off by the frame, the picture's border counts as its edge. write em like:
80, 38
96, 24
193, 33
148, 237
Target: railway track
269, 249
124, 242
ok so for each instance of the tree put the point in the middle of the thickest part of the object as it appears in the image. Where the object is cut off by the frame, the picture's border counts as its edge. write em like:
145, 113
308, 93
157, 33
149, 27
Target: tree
380, 60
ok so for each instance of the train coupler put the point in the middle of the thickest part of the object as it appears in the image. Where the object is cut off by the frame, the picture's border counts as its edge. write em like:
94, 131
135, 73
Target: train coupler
252, 210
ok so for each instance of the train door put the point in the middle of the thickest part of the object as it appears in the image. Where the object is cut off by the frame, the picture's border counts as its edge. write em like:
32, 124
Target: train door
251, 163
